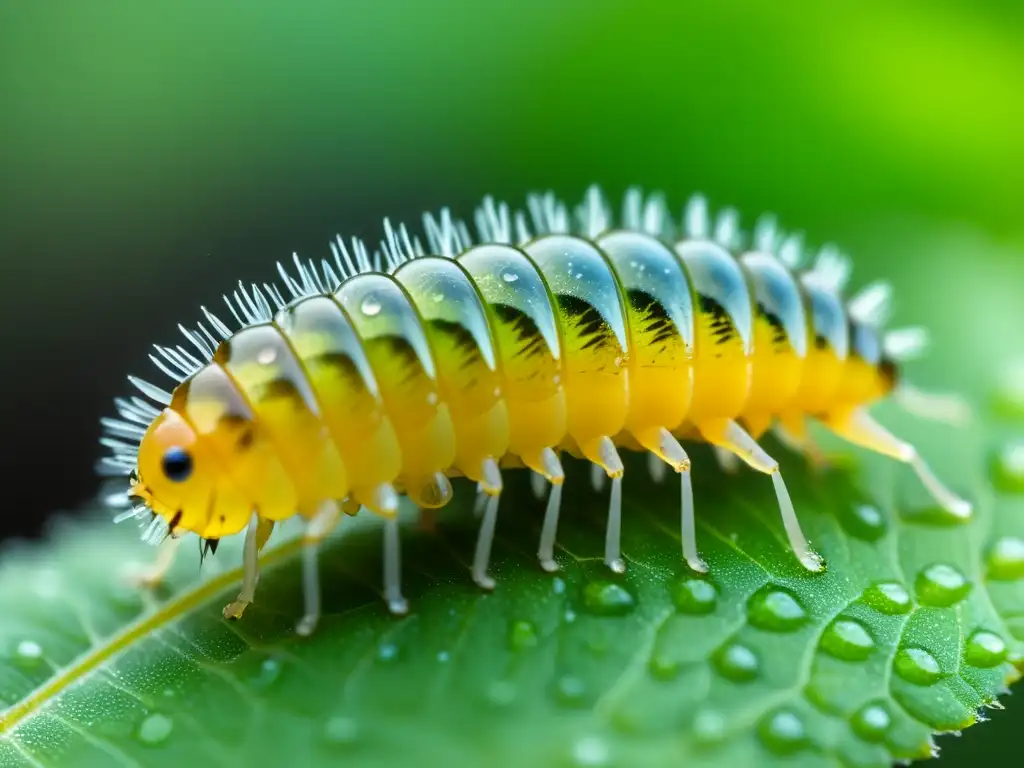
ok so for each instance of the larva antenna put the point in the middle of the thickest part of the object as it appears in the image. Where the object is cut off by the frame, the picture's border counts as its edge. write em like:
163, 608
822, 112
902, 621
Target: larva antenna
151, 391
831, 269
906, 343
522, 228
791, 250
696, 220
766, 233
657, 220
632, 207
872, 305
727, 229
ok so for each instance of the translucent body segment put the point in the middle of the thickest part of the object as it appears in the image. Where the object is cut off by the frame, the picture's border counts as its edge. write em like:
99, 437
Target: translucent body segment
863, 379
660, 318
522, 320
397, 349
594, 338
456, 326
270, 377
351, 405
781, 334
725, 333
224, 421
824, 367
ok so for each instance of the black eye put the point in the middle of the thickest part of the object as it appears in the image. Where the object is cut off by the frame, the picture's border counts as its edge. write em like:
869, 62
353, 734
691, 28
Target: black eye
177, 464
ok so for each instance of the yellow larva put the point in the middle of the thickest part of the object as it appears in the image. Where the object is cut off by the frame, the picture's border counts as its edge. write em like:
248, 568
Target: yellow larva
551, 331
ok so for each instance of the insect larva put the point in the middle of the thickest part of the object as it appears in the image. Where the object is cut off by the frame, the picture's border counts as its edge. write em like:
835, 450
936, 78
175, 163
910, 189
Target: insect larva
366, 377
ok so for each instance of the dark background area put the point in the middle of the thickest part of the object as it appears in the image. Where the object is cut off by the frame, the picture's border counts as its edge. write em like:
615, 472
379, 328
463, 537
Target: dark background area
153, 154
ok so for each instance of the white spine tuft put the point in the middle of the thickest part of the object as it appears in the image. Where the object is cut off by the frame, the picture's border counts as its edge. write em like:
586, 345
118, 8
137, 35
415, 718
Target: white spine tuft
696, 219
872, 305
906, 343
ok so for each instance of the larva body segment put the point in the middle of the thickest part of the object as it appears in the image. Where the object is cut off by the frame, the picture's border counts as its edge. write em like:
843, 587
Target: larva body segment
370, 382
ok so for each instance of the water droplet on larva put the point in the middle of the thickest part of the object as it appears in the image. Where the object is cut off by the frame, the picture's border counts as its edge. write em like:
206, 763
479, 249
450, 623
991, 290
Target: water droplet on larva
888, 597
917, 666
775, 609
847, 639
522, 635
783, 732
509, 277
865, 521
154, 730
872, 721
387, 652
691, 595
266, 356
340, 731
370, 306
438, 297
591, 752
941, 585
1006, 559
1008, 467
28, 654
606, 598
736, 662
985, 649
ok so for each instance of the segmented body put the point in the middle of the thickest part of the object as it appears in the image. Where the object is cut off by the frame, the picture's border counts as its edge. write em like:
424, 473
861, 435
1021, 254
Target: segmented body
373, 379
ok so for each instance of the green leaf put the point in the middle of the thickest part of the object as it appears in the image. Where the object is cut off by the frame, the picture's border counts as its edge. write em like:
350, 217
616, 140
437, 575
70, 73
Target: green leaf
912, 630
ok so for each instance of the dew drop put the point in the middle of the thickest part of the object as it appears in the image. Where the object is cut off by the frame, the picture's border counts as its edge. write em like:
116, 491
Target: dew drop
709, 727
865, 521
522, 634
340, 731
558, 585
1008, 467
783, 732
591, 752
664, 668
370, 306
917, 666
154, 730
1006, 559
268, 671
443, 656
888, 597
509, 277
691, 595
28, 654
775, 609
985, 649
941, 585
387, 652
571, 691
606, 598
736, 662
872, 721
847, 639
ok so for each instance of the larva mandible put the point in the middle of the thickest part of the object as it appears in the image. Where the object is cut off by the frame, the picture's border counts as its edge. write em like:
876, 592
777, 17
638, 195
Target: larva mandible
373, 376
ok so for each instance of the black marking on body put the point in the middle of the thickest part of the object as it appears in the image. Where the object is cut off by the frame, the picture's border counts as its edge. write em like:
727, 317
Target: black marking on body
401, 349
463, 340
722, 328
339, 363
529, 340
588, 324
658, 328
779, 336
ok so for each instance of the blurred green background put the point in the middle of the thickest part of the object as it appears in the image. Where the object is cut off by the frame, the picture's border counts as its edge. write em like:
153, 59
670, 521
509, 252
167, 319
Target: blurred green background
153, 153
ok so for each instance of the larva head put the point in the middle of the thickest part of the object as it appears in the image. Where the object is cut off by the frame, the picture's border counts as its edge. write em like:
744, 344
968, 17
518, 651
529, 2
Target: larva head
175, 477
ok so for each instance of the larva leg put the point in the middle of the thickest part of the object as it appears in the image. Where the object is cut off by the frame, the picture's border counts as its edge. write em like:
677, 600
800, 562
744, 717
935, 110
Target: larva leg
317, 530
656, 467
153, 575
727, 460
667, 450
729, 435
549, 530
250, 571
859, 428
397, 604
597, 477
538, 483
602, 452
485, 538
792, 432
